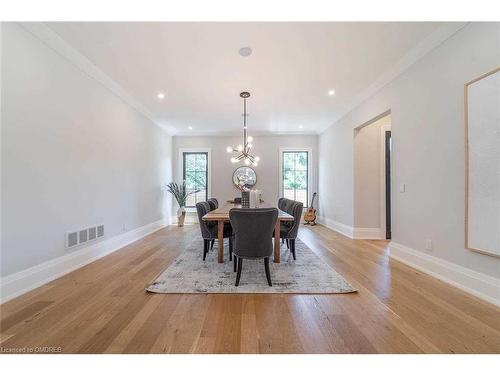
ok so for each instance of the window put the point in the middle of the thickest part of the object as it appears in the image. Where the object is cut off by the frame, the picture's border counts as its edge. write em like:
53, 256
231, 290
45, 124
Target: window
195, 173
295, 175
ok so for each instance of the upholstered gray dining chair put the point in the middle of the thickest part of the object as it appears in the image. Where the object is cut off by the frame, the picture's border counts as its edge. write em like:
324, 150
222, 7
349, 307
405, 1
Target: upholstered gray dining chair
209, 230
281, 203
252, 236
214, 203
290, 229
281, 206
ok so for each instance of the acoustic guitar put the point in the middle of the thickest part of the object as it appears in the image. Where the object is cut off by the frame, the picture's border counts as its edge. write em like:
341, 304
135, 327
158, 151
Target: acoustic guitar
310, 214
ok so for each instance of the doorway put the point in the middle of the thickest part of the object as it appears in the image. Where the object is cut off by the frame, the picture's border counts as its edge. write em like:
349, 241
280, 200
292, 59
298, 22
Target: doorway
372, 178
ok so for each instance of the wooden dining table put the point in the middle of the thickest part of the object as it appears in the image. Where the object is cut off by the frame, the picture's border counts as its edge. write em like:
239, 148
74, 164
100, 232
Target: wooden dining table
221, 216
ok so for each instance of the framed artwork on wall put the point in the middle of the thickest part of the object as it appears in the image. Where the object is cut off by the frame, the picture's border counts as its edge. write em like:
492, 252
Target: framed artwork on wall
482, 164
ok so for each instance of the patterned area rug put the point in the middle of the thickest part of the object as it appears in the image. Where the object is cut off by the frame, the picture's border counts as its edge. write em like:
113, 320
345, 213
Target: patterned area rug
307, 275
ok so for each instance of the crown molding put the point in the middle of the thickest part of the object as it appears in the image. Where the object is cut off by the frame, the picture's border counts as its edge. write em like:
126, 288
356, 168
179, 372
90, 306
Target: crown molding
64, 49
428, 44
239, 134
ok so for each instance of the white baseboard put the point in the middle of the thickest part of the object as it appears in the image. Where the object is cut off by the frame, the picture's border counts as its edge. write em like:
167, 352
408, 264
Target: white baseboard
23, 281
478, 284
352, 232
369, 234
344, 229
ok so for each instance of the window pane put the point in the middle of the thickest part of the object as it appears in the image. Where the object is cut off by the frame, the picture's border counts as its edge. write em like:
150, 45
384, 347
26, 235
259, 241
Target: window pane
201, 196
195, 173
201, 180
301, 196
201, 162
190, 201
301, 180
190, 180
288, 180
190, 161
295, 175
301, 161
290, 194
288, 161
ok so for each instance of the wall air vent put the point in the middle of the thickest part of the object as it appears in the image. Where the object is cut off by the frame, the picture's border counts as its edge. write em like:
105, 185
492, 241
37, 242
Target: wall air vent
83, 236
92, 233
71, 239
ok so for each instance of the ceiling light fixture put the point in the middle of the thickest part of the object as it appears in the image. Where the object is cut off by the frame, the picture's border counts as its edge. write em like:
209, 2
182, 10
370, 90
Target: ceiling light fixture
160, 96
190, 127
242, 151
331, 92
300, 126
245, 51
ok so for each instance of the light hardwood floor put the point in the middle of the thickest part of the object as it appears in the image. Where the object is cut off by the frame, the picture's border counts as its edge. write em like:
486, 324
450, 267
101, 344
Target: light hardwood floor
103, 308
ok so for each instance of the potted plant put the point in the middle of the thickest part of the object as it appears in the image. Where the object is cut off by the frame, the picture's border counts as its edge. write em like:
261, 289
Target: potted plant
180, 194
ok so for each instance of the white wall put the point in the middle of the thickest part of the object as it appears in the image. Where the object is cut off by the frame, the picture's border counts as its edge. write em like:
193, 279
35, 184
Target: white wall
335, 174
427, 115
73, 155
268, 170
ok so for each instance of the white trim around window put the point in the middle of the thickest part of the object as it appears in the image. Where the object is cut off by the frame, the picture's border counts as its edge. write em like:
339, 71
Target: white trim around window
209, 172
310, 171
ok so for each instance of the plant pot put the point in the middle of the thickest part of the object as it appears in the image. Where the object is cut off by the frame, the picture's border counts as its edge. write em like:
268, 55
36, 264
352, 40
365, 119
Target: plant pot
181, 215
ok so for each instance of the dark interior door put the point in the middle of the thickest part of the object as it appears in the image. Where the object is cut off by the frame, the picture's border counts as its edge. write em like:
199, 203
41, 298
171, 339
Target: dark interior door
388, 147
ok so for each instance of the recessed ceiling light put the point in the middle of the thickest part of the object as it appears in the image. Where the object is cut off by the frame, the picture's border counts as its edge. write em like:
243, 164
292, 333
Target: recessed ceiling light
160, 95
190, 127
331, 92
300, 126
245, 51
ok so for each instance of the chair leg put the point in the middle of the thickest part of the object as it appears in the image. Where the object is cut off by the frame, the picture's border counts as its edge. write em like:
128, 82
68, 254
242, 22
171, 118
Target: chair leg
230, 249
268, 273
238, 275
212, 245
234, 263
287, 244
282, 240
292, 245
205, 248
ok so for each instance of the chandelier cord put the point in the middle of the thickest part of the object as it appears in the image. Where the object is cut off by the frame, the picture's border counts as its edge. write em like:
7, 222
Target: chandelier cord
245, 143
244, 150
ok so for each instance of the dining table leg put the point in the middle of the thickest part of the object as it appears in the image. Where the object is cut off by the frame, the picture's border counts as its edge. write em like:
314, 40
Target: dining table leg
220, 240
277, 242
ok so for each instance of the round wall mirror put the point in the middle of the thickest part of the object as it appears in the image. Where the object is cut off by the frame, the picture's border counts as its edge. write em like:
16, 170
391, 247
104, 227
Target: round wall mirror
244, 178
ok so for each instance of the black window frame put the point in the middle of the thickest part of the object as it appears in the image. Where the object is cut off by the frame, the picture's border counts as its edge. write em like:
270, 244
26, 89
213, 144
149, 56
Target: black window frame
184, 153
283, 152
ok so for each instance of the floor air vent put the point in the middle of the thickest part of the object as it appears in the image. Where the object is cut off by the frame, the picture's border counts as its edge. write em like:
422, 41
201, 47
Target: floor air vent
83, 236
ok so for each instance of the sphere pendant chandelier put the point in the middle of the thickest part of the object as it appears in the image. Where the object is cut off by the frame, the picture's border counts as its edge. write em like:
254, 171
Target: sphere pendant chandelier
242, 152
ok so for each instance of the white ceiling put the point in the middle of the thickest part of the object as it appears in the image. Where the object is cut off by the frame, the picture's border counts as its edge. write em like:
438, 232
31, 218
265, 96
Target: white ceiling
289, 74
